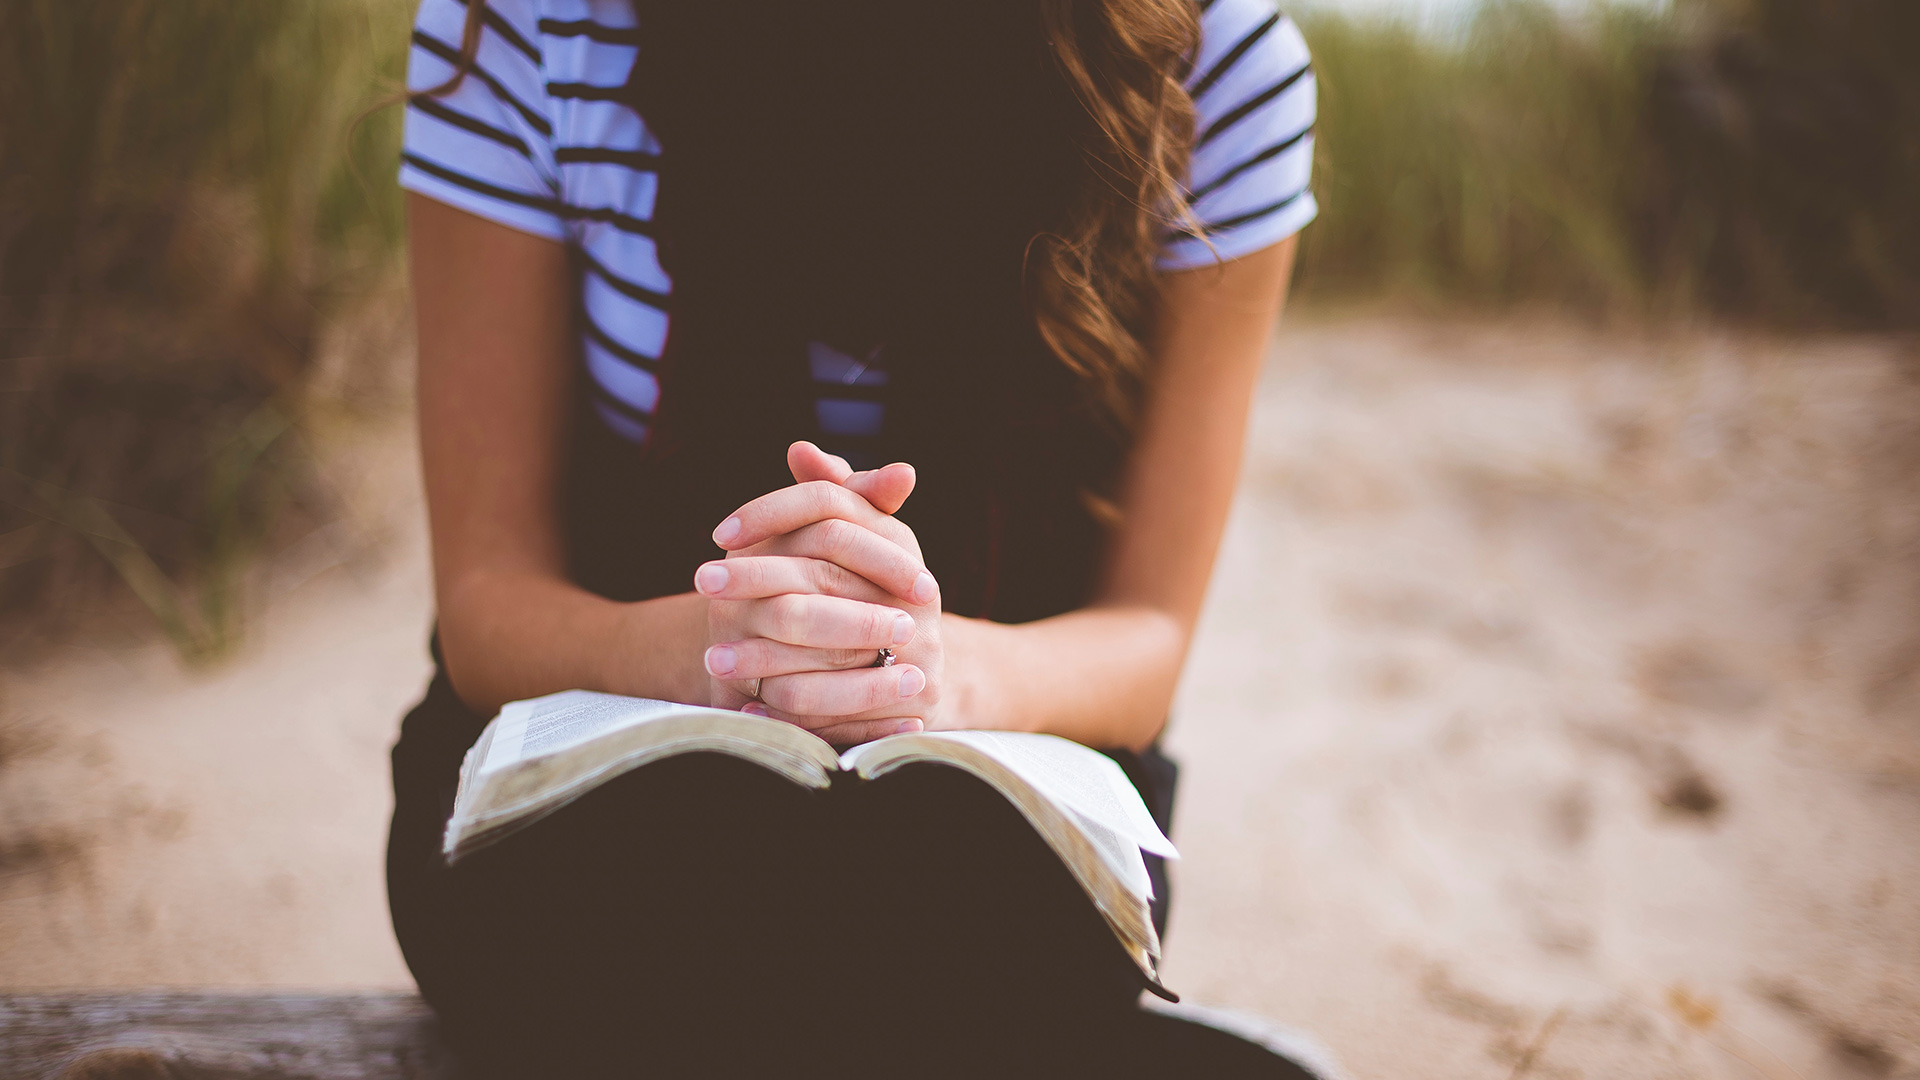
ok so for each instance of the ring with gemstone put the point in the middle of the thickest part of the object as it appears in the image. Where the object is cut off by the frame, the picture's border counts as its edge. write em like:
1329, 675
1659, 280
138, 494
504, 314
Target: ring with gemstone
885, 659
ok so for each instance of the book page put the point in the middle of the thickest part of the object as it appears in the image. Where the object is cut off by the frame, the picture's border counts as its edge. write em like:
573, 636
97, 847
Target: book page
548, 725
1086, 783
1120, 853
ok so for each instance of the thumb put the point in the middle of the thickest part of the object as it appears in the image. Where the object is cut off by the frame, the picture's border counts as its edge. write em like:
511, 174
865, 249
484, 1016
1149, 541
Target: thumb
808, 462
887, 489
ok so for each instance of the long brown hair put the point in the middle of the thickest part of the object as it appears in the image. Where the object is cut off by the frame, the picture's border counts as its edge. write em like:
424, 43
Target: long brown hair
1091, 282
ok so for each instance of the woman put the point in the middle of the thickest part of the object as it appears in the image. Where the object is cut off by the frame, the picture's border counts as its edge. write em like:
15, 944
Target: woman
1033, 247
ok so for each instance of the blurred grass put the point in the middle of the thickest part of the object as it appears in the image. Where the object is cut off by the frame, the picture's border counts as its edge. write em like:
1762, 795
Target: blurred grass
1753, 160
180, 218
187, 209
1484, 169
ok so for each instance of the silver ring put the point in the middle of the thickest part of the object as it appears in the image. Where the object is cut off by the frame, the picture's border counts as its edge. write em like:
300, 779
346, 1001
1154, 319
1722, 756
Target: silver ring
885, 659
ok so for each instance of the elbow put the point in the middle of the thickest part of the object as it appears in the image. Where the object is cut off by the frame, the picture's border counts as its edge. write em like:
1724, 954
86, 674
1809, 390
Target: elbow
464, 671
1164, 639
459, 647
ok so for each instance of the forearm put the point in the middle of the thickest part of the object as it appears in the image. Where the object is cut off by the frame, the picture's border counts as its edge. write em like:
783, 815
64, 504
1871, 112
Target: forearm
1101, 676
509, 635
1105, 675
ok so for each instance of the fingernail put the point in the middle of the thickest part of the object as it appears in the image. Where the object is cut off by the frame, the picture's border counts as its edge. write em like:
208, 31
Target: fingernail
721, 660
728, 529
908, 727
912, 681
713, 577
902, 629
754, 708
925, 588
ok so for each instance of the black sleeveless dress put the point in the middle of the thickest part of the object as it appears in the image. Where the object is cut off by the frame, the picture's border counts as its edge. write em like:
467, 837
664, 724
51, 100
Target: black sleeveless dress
866, 175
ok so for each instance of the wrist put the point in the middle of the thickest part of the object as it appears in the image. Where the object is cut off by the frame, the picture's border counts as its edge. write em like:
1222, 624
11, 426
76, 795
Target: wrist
658, 649
977, 696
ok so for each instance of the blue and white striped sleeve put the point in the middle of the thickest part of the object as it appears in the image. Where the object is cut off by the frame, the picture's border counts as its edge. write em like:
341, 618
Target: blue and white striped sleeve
1254, 101
485, 148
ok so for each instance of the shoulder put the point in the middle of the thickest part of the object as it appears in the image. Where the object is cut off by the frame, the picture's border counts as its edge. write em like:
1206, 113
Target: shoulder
588, 43
607, 22
1254, 102
532, 27
480, 139
1240, 42
1223, 19
513, 25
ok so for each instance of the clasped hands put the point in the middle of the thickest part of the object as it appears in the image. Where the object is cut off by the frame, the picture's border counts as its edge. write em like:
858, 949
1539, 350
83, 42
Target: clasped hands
817, 579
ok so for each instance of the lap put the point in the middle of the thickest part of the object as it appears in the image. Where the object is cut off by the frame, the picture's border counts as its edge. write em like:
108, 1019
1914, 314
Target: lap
702, 895
705, 914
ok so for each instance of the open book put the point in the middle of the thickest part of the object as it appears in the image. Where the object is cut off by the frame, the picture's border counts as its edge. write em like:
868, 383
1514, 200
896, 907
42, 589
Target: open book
538, 755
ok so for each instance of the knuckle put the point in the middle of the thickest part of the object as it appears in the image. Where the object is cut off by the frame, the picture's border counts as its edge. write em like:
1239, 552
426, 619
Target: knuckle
748, 574
880, 691
807, 700
768, 572
777, 692
828, 577
847, 658
838, 537
847, 583
905, 572
787, 577
786, 617
822, 494
750, 658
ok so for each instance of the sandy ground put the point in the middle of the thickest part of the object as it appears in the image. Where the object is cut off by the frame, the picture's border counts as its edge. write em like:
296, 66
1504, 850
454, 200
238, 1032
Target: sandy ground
1556, 714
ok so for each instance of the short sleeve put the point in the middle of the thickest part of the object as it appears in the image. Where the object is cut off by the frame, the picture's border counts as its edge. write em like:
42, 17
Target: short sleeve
1254, 98
486, 147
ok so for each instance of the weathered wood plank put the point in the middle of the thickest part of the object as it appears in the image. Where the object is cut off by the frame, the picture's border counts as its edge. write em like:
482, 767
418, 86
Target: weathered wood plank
166, 1035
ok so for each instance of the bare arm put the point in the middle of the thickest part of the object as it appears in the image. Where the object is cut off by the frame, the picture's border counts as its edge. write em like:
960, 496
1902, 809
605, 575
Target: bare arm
496, 359
1105, 675
494, 308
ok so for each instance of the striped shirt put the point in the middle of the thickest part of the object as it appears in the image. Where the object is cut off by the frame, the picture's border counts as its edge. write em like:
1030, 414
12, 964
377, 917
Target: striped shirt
537, 139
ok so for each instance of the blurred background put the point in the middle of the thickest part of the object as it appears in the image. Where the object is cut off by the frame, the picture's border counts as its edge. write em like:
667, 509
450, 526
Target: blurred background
1557, 712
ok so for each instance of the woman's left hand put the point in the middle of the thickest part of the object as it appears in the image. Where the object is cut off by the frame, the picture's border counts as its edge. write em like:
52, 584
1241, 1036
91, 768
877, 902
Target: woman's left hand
793, 522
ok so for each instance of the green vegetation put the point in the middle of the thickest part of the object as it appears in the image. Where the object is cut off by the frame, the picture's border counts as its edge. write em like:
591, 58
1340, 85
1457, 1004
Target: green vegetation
1487, 169
180, 216
186, 205
1752, 161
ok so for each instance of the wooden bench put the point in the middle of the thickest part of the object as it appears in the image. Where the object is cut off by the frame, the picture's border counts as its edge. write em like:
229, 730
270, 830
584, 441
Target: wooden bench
166, 1035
